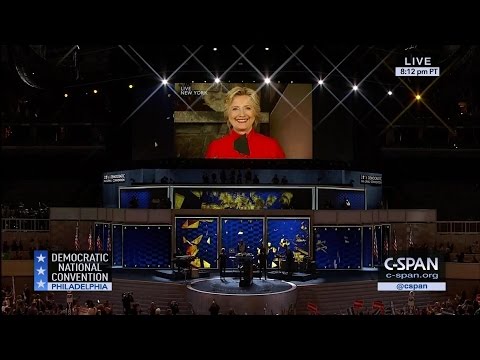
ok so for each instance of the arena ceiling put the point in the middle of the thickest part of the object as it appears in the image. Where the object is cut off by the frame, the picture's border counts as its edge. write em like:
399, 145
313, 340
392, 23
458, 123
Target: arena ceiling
69, 65
340, 66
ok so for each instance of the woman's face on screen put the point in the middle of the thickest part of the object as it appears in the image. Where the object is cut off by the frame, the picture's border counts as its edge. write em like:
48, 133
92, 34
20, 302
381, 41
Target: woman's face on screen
241, 114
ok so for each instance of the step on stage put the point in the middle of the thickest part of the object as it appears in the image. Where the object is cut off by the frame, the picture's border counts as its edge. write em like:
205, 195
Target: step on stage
296, 276
199, 274
182, 275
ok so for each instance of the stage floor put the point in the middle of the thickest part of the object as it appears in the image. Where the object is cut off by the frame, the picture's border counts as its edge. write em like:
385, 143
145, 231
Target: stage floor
231, 286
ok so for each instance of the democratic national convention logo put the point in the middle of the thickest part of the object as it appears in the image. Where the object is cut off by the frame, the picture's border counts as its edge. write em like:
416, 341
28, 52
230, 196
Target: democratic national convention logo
72, 271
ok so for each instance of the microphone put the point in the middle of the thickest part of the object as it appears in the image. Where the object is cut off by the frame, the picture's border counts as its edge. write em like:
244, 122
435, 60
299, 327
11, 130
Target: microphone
241, 145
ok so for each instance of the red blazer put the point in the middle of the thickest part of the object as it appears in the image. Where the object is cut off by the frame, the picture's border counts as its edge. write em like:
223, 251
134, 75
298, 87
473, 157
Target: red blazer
261, 147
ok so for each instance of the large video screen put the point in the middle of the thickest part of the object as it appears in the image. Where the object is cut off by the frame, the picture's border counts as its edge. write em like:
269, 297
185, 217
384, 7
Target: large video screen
341, 199
151, 197
200, 117
247, 198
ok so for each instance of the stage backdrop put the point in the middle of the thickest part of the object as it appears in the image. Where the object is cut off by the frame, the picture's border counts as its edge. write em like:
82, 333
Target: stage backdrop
367, 249
157, 177
338, 247
293, 233
199, 237
250, 230
117, 238
147, 246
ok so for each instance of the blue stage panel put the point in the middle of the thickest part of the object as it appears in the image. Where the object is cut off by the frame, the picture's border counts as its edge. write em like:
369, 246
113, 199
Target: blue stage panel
250, 230
147, 246
367, 247
338, 247
288, 232
377, 246
199, 237
117, 235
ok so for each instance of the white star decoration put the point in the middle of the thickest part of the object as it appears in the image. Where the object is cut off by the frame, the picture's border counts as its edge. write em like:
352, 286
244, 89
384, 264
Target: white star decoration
41, 284
41, 271
41, 258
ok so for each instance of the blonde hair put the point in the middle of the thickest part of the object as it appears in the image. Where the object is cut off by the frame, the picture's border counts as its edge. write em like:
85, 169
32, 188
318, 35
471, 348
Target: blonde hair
238, 91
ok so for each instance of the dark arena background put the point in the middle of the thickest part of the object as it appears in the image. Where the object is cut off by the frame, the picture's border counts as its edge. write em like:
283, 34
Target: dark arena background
104, 149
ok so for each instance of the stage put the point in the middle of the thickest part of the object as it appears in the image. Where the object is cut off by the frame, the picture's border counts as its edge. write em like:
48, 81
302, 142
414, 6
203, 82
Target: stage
319, 277
261, 297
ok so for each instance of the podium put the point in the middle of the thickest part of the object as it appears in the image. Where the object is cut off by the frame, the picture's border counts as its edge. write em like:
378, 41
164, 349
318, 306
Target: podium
245, 263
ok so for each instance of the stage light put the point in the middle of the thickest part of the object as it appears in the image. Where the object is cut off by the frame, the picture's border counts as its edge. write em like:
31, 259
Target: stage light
418, 97
164, 81
389, 92
66, 95
130, 86
217, 80
95, 91
215, 49
355, 87
267, 80
320, 82
462, 105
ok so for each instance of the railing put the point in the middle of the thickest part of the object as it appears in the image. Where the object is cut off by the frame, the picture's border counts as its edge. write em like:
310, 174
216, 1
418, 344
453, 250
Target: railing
458, 227
465, 235
17, 224
56, 134
443, 227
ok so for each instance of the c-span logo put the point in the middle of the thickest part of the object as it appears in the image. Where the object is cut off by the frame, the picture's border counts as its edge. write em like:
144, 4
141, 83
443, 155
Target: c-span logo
71, 271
